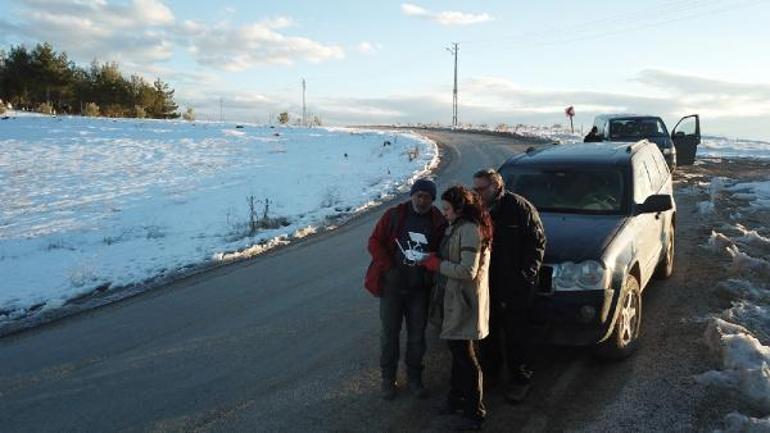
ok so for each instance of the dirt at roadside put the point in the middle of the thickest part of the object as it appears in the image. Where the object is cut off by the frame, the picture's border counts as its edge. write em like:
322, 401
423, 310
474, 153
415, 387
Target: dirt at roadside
655, 390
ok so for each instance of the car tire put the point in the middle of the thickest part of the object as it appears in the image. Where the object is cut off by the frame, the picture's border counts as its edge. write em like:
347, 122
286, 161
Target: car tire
624, 339
665, 268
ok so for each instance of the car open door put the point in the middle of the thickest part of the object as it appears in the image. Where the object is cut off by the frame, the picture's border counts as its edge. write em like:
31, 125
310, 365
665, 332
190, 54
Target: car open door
686, 138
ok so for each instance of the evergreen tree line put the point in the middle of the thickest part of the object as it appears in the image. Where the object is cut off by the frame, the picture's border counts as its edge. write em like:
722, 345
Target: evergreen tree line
43, 80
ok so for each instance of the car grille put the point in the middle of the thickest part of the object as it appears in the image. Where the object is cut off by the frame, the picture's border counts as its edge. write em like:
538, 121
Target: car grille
545, 279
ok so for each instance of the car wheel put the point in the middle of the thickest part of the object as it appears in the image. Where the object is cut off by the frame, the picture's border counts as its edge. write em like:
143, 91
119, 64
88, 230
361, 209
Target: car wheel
625, 335
666, 266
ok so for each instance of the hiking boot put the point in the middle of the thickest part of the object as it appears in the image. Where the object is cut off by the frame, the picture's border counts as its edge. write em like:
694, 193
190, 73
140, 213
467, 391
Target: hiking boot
418, 390
516, 392
389, 390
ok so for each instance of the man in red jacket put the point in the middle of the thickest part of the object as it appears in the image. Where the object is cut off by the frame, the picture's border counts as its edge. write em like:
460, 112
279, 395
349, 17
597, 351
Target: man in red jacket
403, 232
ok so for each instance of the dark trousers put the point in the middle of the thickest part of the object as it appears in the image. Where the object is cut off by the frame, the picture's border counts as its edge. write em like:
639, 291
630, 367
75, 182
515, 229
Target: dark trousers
466, 391
508, 338
397, 306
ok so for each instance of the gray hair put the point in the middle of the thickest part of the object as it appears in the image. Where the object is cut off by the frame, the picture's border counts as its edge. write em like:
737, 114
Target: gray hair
491, 175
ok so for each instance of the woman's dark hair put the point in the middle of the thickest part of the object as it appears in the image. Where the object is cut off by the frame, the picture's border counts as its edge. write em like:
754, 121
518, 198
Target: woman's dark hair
467, 205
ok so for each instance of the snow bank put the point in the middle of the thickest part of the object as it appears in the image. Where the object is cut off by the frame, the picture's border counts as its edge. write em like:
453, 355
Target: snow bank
546, 133
722, 147
744, 263
757, 193
738, 423
718, 242
91, 204
710, 147
739, 337
744, 359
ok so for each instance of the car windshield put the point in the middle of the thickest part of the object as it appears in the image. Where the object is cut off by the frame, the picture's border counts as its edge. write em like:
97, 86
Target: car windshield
570, 190
636, 129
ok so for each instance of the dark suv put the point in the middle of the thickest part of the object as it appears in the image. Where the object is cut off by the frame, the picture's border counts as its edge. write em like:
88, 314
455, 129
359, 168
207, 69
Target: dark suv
609, 216
678, 148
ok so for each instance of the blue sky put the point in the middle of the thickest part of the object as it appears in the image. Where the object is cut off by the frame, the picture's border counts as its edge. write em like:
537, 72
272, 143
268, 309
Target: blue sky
375, 62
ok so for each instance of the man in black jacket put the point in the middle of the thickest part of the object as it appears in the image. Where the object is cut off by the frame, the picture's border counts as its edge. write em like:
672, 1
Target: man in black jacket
593, 136
518, 247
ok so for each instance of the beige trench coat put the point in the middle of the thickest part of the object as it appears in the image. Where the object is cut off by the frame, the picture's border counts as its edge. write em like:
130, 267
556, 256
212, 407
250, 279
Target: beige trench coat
460, 300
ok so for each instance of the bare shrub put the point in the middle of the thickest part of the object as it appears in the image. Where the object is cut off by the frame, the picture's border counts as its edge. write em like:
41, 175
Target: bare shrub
413, 153
45, 108
91, 110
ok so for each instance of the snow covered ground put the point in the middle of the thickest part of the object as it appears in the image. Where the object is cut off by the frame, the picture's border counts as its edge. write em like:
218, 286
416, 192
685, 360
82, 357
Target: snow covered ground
710, 147
722, 147
92, 204
739, 336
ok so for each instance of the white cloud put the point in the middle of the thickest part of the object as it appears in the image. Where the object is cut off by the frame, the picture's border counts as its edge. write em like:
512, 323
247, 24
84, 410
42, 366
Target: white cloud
368, 48
714, 98
450, 18
447, 18
143, 32
276, 23
153, 12
239, 48
414, 10
136, 32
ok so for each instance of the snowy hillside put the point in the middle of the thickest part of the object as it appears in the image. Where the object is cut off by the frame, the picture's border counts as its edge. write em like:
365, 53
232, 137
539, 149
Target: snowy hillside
91, 204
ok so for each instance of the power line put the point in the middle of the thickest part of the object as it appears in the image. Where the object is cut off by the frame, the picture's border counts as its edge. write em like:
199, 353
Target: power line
453, 50
628, 22
304, 108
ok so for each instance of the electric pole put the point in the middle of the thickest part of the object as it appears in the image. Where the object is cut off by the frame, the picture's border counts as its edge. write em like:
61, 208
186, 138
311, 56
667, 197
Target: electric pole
304, 109
453, 50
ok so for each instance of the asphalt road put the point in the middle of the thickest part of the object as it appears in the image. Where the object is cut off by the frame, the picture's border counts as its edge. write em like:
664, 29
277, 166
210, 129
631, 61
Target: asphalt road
288, 342
285, 342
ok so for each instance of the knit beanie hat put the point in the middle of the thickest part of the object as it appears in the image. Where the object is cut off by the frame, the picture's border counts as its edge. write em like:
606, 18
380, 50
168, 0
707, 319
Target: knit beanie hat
424, 185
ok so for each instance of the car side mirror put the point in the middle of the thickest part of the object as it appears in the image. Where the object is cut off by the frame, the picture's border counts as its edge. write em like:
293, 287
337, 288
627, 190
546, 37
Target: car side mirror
655, 203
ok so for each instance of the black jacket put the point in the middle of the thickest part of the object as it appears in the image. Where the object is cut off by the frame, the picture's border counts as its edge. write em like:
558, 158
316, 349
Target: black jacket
593, 138
518, 246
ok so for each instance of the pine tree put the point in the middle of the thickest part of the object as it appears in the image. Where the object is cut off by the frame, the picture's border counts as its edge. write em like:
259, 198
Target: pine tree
163, 106
31, 78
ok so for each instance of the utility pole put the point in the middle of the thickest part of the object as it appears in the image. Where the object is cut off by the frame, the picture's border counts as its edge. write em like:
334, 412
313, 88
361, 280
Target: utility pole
453, 50
304, 109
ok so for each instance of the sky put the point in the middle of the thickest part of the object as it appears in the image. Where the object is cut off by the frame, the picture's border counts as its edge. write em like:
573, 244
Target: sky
368, 62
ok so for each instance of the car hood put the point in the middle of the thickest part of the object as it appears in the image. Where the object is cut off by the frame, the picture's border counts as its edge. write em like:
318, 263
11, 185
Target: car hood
573, 237
662, 141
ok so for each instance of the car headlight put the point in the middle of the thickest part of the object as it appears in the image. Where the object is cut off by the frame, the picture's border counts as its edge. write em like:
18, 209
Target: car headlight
667, 151
588, 275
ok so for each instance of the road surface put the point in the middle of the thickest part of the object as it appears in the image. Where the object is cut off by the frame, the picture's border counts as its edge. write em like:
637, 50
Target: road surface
289, 342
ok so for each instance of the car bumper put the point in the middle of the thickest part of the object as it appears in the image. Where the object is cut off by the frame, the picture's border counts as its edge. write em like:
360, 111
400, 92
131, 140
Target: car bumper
565, 318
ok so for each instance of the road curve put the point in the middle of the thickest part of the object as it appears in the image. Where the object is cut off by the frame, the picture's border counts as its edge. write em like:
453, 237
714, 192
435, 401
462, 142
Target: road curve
288, 342
284, 342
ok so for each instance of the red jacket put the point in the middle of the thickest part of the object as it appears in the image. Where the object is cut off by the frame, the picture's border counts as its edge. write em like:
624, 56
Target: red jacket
382, 243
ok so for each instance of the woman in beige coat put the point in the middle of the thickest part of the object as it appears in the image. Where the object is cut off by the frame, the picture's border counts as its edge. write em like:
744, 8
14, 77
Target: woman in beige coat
461, 298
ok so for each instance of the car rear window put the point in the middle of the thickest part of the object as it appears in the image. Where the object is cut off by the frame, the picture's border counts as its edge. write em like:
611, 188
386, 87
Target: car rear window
636, 129
570, 190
